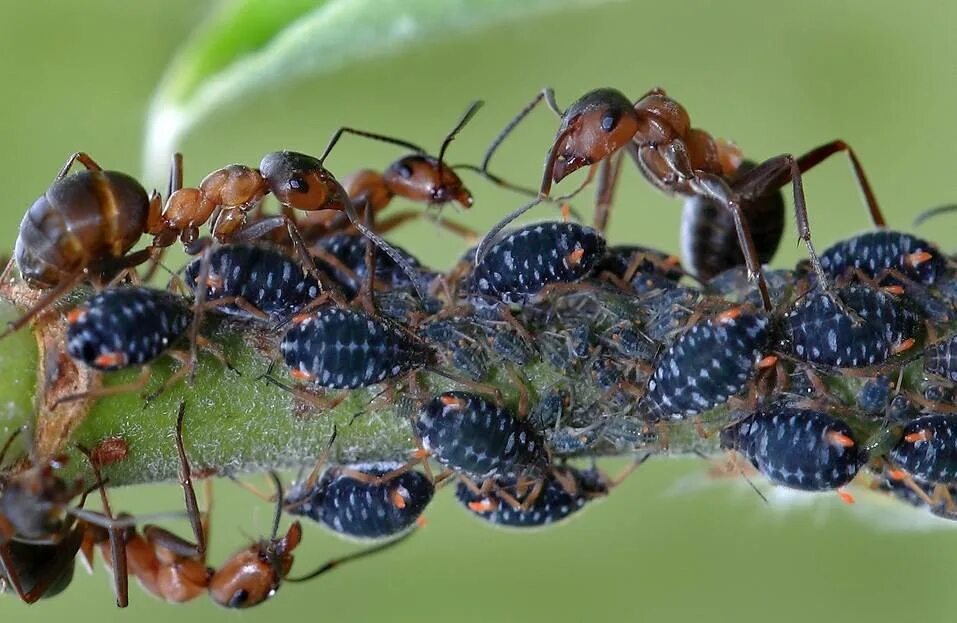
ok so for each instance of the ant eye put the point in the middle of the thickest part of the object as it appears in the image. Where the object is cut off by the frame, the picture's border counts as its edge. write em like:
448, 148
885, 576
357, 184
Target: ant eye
610, 119
298, 184
238, 598
405, 170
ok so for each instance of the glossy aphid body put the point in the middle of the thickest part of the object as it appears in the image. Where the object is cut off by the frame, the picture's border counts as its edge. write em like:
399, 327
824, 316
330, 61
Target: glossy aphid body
529, 259
253, 282
798, 448
874, 253
359, 509
121, 327
479, 438
564, 492
674, 157
350, 251
708, 364
874, 397
940, 359
927, 449
709, 238
734, 286
819, 332
346, 349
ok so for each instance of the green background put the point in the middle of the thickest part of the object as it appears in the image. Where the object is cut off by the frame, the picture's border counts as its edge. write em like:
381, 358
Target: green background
667, 545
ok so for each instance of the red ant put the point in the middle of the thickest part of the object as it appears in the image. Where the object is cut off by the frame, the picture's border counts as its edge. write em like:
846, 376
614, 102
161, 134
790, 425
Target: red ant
175, 570
656, 133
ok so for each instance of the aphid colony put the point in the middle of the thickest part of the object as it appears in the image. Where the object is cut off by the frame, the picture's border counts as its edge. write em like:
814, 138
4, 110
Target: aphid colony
636, 349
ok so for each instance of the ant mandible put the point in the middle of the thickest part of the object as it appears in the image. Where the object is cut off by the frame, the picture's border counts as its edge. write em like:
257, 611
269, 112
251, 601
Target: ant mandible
656, 133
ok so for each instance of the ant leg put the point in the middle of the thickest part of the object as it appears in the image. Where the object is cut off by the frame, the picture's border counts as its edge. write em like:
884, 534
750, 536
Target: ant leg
186, 482
607, 182
819, 154
81, 157
371, 135
547, 94
7, 445
45, 301
400, 218
462, 122
118, 560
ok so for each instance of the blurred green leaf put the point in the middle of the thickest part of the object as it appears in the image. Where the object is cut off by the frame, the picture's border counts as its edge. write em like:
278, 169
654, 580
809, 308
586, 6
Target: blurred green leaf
252, 45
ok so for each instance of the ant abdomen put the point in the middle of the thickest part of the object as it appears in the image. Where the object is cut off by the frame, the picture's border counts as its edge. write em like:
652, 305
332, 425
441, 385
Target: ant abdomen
86, 218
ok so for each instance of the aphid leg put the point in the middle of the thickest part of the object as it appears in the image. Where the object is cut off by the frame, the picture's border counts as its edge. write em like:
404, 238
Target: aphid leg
237, 301
117, 539
110, 390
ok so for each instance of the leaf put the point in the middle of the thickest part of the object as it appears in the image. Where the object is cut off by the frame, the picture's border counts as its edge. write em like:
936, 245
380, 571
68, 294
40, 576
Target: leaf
247, 46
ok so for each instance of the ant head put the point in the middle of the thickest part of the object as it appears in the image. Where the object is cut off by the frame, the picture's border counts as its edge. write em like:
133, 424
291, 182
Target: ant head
367, 187
423, 178
33, 502
253, 575
301, 182
593, 128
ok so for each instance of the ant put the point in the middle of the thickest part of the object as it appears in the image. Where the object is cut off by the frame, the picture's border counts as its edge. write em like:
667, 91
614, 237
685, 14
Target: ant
418, 177
175, 570
41, 534
656, 133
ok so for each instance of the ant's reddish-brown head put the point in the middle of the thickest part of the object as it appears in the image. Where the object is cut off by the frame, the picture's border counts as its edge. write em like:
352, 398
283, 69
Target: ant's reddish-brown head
422, 178
252, 575
301, 182
597, 125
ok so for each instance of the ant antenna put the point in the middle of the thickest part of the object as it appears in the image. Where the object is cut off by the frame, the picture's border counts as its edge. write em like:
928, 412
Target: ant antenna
277, 517
370, 135
469, 113
388, 249
335, 562
932, 212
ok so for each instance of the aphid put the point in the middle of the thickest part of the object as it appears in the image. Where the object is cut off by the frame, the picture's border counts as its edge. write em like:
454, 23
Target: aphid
254, 282
820, 332
927, 449
511, 347
565, 491
674, 157
875, 396
630, 341
940, 358
874, 253
707, 365
797, 448
642, 268
533, 257
938, 499
350, 250
549, 409
345, 349
122, 327
477, 437
734, 286
348, 500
